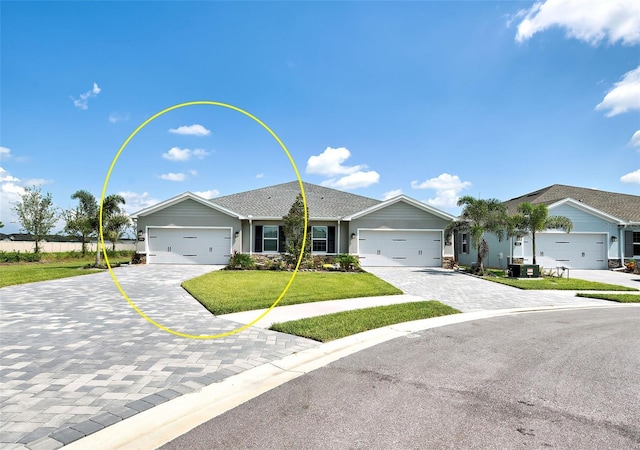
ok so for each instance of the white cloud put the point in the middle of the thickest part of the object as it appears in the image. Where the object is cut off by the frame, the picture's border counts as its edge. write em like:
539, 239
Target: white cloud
5, 177
211, 193
10, 193
329, 163
135, 202
355, 180
184, 154
591, 21
200, 153
391, 194
635, 140
193, 172
447, 189
177, 154
5, 153
118, 117
193, 130
83, 101
260, 175
632, 177
625, 95
173, 176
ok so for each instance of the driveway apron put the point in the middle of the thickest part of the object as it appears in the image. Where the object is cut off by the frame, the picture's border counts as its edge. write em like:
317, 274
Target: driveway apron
468, 293
75, 357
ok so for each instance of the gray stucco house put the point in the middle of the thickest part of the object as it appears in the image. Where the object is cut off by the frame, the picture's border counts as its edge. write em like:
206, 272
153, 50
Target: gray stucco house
188, 229
606, 231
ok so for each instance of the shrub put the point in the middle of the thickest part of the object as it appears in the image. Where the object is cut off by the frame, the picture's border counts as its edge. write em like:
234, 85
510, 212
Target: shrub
11, 257
348, 262
241, 261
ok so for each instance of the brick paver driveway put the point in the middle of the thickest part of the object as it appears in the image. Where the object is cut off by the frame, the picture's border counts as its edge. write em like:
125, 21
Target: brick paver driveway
75, 357
468, 293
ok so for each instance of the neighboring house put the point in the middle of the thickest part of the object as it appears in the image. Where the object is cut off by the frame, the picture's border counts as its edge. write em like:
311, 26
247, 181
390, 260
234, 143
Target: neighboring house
188, 229
606, 231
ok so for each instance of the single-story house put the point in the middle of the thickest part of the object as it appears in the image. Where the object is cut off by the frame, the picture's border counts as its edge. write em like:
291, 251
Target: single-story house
605, 234
188, 229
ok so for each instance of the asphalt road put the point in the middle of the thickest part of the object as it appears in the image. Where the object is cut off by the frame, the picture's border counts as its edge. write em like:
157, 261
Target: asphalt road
562, 379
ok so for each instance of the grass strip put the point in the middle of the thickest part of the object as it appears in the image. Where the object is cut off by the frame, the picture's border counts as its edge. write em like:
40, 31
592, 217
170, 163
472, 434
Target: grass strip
228, 291
561, 284
22, 273
621, 298
335, 326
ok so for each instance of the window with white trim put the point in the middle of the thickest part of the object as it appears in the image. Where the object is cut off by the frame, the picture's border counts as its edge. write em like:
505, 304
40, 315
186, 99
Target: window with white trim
319, 237
636, 243
269, 238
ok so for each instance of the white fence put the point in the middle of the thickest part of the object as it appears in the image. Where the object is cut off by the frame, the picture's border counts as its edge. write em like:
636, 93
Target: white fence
55, 247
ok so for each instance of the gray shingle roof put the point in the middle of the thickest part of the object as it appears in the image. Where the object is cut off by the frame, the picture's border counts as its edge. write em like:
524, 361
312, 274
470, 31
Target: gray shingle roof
622, 206
275, 201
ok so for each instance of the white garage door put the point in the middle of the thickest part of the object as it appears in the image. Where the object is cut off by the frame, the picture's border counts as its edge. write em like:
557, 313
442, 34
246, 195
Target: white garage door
188, 245
577, 251
400, 248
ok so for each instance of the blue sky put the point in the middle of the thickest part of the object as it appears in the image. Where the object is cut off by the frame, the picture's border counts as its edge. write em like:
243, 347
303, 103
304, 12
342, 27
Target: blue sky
430, 99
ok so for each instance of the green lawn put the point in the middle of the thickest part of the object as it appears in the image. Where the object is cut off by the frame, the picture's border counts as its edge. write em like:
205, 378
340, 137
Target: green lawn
550, 283
338, 325
622, 298
21, 273
227, 291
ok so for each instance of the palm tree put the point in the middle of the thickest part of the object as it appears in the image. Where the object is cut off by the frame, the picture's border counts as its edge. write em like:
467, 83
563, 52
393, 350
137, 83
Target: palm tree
85, 219
480, 216
535, 218
111, 210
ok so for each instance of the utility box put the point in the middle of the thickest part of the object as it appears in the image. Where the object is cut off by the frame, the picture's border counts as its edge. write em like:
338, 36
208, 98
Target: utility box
523, 270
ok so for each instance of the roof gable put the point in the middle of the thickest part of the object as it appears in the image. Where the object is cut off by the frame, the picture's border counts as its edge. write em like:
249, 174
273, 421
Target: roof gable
623, 207
404, 199
180, 198
275, 201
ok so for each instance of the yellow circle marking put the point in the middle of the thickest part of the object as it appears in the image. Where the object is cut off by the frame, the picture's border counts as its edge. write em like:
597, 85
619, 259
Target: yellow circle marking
104, 190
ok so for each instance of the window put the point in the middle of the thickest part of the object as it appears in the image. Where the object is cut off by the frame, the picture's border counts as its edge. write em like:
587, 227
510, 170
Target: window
465, 243
270, 238
319, 239
636, 243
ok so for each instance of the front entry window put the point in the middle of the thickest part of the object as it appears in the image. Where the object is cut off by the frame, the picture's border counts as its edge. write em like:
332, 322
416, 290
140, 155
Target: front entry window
319, 239
636, 243
270, 238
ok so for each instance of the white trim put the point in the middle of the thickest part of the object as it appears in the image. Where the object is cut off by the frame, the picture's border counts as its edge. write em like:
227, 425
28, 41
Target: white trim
146, 234
180, 198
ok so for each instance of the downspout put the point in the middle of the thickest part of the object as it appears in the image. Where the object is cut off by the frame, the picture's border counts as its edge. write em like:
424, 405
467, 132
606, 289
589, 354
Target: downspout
250, 235
338, 238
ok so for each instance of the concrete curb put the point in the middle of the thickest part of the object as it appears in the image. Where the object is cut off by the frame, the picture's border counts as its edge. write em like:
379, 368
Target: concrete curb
165, 422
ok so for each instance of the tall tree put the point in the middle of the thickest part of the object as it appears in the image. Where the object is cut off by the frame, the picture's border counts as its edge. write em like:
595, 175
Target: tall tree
480, 216
294, 227
115, 228
36, 214
535, 218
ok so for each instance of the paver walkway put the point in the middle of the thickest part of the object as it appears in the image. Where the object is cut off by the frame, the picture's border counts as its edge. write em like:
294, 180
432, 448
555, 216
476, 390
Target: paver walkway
75, 357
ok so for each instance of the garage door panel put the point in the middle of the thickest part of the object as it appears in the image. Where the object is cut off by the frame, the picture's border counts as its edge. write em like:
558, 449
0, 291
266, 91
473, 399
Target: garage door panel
399, 248
577, 251
189, 246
